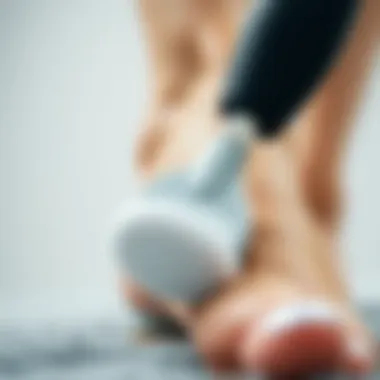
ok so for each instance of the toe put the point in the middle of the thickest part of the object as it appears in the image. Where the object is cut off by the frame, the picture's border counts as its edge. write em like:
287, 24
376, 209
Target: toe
360, 352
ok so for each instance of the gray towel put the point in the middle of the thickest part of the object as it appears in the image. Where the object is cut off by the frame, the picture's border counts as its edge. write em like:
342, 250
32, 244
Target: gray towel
101, 351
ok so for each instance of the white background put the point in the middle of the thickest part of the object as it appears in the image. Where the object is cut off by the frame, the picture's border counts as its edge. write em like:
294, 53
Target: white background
72, 90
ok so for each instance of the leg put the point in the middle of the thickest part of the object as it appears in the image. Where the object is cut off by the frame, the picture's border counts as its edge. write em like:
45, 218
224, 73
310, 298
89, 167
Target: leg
319, 141
175, 61
172, 47
189, 42
320, 135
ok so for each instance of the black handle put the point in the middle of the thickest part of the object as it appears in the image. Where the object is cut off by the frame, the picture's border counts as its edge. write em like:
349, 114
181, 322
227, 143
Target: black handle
285, 49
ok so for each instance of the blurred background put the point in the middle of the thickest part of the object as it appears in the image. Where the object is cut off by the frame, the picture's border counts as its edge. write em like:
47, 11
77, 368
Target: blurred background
73, 88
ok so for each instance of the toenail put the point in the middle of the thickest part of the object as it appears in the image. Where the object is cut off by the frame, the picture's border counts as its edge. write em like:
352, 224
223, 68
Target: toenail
300, 313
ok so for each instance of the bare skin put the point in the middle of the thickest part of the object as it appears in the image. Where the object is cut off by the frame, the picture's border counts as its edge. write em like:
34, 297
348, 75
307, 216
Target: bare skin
323, 129
294, 193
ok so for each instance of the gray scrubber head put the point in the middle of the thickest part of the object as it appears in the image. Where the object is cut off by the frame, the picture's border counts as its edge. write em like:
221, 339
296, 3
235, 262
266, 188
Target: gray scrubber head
185, 234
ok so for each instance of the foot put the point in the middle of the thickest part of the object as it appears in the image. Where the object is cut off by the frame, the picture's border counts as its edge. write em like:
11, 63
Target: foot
289, 312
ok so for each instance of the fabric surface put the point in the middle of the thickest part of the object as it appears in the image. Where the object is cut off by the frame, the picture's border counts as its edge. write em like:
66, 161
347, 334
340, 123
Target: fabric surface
102, 351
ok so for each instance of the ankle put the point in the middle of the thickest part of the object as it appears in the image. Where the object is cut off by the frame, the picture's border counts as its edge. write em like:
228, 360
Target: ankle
175, 133
325, 200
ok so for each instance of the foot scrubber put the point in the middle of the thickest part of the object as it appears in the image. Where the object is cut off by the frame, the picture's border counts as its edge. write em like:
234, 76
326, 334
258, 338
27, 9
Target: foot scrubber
185, 234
